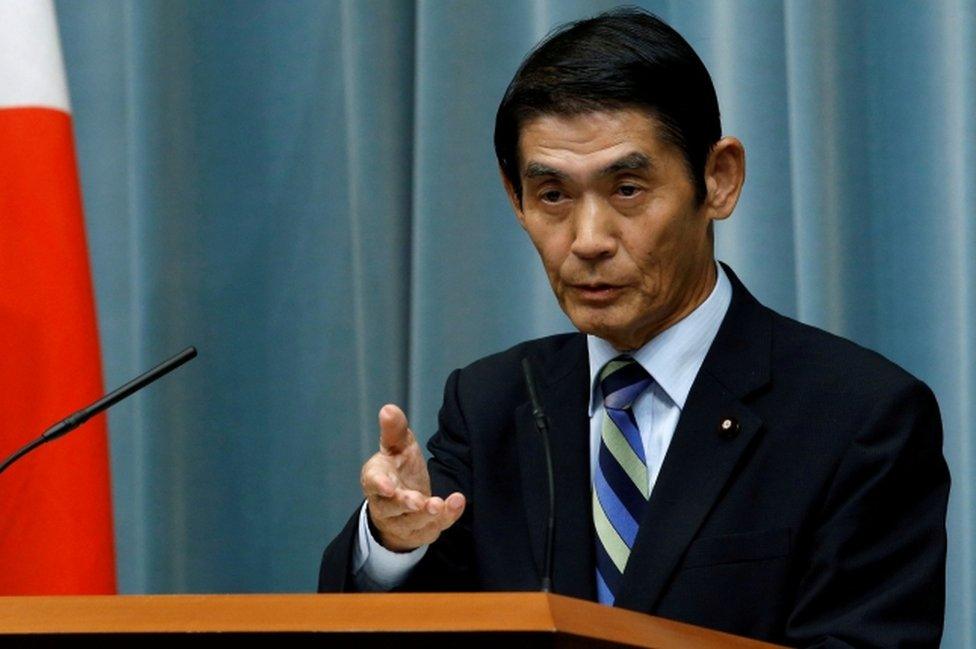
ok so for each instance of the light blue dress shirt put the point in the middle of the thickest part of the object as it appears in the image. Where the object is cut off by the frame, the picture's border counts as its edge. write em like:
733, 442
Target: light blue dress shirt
672, 358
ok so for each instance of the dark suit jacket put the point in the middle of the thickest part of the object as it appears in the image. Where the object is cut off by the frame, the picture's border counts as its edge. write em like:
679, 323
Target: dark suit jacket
819, 518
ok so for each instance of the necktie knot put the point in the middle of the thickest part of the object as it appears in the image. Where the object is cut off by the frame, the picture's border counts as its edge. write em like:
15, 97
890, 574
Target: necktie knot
622, 380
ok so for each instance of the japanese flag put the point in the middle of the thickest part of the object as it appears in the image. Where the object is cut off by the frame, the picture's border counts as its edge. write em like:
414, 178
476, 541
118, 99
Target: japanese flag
55, 506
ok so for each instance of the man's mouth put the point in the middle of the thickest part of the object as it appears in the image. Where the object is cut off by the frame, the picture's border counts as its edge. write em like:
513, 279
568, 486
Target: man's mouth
597, 291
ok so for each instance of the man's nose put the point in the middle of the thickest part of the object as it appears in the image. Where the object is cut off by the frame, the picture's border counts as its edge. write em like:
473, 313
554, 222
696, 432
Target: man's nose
594, 232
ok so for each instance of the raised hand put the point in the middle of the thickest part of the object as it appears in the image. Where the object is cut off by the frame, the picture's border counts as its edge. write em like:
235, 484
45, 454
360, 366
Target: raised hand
397, 488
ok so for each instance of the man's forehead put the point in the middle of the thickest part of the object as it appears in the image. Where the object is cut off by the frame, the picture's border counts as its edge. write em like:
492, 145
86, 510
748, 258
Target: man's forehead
606, 141
578, 123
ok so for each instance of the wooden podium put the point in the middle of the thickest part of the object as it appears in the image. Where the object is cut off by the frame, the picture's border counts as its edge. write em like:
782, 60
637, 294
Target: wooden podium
504, 620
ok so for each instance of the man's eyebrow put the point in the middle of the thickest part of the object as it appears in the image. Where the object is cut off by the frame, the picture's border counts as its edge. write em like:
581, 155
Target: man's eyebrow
631, 162
537, 170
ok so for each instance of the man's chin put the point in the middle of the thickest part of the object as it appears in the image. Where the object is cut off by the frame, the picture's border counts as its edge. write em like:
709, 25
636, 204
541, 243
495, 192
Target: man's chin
599, 327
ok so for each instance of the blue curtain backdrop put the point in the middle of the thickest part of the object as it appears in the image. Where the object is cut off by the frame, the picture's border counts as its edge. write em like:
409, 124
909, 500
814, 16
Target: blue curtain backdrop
307, 192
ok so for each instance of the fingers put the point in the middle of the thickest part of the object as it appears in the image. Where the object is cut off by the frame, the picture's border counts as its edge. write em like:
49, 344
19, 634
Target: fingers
437, 513
402, 501
410, 529
395, 434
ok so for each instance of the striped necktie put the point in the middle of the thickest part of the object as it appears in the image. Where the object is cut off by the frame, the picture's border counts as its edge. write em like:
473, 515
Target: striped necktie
620, 483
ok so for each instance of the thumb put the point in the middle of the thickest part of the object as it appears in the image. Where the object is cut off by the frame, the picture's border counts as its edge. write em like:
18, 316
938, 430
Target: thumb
453, 508
395, 436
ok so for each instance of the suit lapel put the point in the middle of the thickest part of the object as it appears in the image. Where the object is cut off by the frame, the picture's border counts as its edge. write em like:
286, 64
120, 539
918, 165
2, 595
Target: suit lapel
563, 380
702, 456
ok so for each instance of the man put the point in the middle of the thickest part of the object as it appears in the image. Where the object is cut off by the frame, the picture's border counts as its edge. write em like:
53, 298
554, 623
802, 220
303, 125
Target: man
714, 462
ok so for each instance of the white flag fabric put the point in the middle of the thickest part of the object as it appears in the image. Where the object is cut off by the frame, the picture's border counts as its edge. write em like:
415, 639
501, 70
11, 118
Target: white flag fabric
31, 72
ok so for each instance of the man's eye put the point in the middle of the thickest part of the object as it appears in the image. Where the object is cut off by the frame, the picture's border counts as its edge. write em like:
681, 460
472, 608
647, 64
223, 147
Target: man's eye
628, 190
551, 196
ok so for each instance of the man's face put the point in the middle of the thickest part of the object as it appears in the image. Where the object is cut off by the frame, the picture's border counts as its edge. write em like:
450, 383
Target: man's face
611, 210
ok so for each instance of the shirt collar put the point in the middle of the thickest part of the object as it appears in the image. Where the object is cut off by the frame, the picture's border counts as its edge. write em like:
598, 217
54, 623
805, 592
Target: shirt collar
675, 355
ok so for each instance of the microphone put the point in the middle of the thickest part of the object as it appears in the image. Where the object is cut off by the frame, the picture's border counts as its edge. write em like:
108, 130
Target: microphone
542, 426
76, 419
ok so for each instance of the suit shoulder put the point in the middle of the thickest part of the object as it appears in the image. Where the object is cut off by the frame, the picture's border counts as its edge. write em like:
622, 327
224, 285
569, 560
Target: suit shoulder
828, 359
497, 379
504, 361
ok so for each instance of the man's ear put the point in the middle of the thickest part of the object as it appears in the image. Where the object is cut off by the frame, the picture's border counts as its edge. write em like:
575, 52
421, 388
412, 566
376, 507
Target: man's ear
513, 198
725, 173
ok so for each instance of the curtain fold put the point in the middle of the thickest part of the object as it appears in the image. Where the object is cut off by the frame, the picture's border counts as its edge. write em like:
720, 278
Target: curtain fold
307, 191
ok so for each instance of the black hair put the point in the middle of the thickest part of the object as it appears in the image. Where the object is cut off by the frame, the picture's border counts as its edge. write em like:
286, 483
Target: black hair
623, 58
